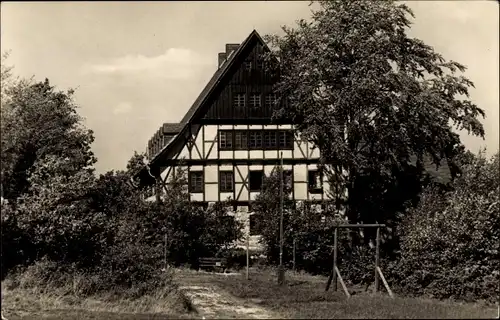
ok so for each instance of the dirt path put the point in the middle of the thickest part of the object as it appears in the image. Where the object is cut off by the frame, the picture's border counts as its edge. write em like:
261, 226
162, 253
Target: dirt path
212, 302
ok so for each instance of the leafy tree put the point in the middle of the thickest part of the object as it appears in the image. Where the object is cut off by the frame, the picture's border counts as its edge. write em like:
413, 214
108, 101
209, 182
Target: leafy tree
311, 229
55, 213
37, 122
267, 207
370, 98
136, 162
450, 244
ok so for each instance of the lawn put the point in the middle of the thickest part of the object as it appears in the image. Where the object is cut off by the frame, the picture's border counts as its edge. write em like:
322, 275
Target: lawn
304, 296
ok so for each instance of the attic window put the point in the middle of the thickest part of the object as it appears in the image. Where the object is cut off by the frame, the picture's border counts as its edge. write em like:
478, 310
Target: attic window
239, 100
254, 100
247, 65
270, 100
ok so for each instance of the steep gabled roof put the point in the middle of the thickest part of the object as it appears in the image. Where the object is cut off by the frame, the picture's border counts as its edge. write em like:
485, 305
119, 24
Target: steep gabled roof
204, 95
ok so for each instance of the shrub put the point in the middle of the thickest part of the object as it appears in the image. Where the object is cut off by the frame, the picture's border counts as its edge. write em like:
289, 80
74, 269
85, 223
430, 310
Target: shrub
450, 246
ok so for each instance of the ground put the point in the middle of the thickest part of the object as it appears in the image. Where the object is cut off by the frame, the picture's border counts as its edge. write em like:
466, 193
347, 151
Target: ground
231, 295
304, 296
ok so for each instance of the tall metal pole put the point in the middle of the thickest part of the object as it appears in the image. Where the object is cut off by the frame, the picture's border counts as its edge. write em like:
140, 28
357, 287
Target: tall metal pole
281, 271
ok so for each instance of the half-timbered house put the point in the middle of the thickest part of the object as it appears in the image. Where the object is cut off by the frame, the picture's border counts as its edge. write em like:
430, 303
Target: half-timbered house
228, 142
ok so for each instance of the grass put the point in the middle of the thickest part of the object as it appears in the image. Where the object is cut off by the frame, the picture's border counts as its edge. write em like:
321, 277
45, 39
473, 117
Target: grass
35, 304
26, 296
304, 296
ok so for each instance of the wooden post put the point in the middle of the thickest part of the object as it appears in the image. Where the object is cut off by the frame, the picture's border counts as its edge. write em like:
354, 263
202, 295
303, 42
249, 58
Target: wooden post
248, 256
165, 253
385, 283
377, 261
337, 272
335, 260
293, 254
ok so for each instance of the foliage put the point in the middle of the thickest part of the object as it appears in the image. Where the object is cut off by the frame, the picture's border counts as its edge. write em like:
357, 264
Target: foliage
38, 122
451, 242
313, 233
191, 232
55, 213
375, 101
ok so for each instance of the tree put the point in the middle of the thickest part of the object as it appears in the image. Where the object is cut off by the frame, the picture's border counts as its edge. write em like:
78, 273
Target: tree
37, 122
267, 209
370, 98
450, 242
56, 214
136, 162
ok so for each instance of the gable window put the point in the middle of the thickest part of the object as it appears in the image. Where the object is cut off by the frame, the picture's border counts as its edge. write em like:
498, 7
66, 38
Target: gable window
239, 100
226, 181
260, 63
240, 140
247, 65
270, 100
254, 100
225, 140
314, 181
255, 139
196, 181
256, 178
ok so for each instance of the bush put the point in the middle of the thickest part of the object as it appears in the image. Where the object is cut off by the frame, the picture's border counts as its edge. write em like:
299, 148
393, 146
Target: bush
450, 242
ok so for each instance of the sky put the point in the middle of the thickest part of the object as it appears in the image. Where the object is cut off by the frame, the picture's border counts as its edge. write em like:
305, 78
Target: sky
136, 65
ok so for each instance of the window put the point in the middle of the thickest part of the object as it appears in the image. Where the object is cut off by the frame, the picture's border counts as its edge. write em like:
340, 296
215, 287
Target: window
287, 177
255, 224
255, 139
196, 181
286, 139
260, 63
239, 100
254, 100
226, 181
241, 140
314, 181
225, 140
270, 100
256, 178
247, 65
270, 139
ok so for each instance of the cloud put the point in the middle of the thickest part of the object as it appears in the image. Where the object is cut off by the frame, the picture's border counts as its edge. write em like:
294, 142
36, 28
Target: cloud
175, 63
122, 108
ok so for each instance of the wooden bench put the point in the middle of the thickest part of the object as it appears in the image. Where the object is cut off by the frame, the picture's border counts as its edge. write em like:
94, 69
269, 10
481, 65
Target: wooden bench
212, 263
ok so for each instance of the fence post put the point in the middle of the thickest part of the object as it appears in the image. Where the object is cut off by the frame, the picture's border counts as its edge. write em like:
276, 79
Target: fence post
377, 261
335, 260
294, 254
